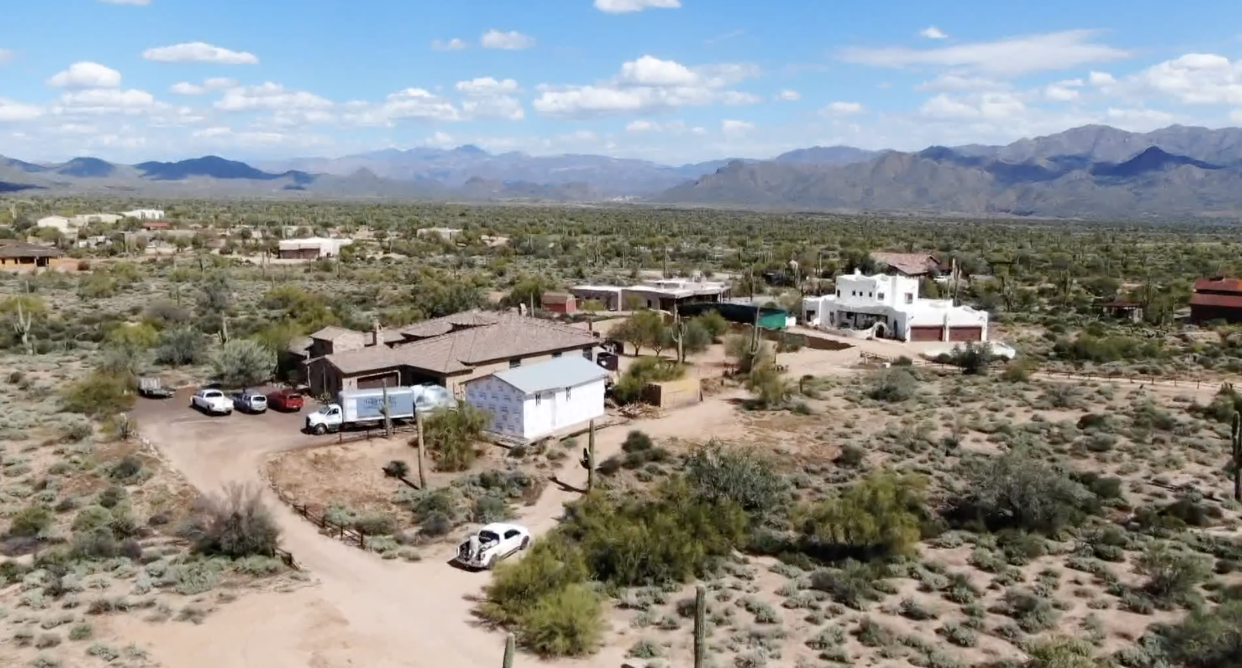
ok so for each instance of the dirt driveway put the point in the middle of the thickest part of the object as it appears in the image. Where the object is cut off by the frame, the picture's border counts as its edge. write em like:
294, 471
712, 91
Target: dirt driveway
365, 611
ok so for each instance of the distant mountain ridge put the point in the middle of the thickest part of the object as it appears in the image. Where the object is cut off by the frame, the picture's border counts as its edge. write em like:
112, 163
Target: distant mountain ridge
1088, 171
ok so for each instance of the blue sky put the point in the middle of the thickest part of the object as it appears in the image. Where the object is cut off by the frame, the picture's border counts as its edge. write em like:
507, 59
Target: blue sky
669, 80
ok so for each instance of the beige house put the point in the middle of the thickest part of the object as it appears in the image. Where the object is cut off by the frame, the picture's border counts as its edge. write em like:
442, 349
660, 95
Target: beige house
445, 351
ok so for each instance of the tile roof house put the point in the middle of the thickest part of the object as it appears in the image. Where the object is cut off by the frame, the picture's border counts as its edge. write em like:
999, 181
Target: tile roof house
914, 265
22, 253
446, 351
1216, 298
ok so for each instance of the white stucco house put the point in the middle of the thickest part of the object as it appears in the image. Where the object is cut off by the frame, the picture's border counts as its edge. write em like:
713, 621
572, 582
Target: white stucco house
65, 225
531, 402
84, 219
144, 214
891, 305
312, 248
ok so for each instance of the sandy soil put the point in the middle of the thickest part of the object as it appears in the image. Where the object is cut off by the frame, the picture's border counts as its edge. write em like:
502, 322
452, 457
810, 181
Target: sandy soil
365, 611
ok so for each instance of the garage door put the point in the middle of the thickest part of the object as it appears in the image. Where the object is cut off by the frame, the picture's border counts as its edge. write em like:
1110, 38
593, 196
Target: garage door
377, 382
925, 333
965, 333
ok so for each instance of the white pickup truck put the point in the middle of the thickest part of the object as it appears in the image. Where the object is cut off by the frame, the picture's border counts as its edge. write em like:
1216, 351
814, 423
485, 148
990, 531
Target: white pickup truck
213, 402
491, 544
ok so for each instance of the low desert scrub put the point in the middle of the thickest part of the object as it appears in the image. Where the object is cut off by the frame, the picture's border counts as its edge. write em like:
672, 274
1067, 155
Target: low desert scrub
235, 524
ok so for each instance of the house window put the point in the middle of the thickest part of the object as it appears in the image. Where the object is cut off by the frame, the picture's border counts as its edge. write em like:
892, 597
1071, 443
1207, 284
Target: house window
555, 355
880, 296
586, 352
538, 399
515, 362
838, 293
569, 393
870, 294
909, 297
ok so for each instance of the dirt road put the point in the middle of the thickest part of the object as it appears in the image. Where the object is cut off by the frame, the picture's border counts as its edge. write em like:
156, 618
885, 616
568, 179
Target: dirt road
364, 611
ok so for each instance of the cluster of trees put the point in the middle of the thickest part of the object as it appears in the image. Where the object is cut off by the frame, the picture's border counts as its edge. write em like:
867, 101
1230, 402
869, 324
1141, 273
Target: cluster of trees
658, 332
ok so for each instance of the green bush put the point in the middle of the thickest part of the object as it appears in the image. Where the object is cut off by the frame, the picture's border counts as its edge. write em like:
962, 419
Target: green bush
99, 395
235, 525
880, 515
740, 477
551, 565
243, 363
565, 622
450, 435
30, 521
893, 385
1172, 575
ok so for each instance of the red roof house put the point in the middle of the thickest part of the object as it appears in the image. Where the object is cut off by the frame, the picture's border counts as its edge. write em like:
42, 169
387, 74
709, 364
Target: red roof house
1216, 298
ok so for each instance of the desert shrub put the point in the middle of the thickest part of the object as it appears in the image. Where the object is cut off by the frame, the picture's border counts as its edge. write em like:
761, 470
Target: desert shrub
489, 508
1206, 638
99, 395
242, 363
234, 524
672, 537
851, 456
565, 622
740, 477
1034, 614
880, 515
450, 435
1062, 653
551, 565
1017, 490
1172, 574
893, 385
127, 470
973, 358
179, 347
30, 521
853, 585
375, 524
644, 371
95, 543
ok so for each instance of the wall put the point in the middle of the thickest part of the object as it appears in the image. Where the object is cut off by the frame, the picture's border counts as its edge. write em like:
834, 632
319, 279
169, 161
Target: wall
503, 401
561, 408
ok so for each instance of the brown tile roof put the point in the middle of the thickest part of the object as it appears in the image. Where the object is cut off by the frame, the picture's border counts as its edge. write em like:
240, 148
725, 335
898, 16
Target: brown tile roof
1218, 285
332, 333
19, 249
913, 264
1224, 301
480, 337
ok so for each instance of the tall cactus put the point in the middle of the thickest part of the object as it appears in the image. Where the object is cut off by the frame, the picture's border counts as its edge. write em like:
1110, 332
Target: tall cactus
510, 649
1235, 441
679, 335
700, 626
588, 457
22, 325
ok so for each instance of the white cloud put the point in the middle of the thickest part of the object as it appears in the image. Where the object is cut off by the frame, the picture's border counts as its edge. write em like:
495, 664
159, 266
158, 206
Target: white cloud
199, 52
844, 109
1063, 91
512, 40
646, 85
411, 103
86, 75
1013, 56
11, 111
101, 101
1236, 116
455, 44
1195, 78
651, 71
643, 125
932, 32
732, 127
1101, 79
487, 86
5, 56
269, 96
1138, 119
229, 136
789, 95
441, 139
217, 83
985, 106
625, 6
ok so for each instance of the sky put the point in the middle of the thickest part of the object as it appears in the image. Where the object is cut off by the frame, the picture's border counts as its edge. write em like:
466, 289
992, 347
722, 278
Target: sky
674, 81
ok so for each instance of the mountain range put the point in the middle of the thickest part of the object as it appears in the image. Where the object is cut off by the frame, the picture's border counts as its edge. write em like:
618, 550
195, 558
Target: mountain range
1091, 171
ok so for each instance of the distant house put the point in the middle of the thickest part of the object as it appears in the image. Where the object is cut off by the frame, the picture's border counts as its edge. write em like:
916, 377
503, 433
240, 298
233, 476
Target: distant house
890, 307
65, 225
1216, 298
913, 265
312, 248
445, 233
559, 302
144, 214
664, 294
448, 351
156, 225
23, 254
96, 219
534, 401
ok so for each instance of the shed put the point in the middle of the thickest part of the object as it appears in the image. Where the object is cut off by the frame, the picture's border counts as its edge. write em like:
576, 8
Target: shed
531, 402
559, 302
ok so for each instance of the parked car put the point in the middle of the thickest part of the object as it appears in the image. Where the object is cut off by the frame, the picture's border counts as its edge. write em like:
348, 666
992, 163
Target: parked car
154, 388
249, 401
211, 401
491, 544
287, 400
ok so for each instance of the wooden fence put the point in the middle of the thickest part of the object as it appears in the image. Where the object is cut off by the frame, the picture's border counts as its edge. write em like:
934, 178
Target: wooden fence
368, 433
347, 535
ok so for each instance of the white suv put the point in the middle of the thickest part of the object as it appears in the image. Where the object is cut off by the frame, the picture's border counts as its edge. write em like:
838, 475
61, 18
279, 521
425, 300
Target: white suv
212, 401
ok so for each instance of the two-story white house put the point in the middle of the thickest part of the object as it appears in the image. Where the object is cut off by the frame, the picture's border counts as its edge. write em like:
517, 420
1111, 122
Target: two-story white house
891, 305
530, 402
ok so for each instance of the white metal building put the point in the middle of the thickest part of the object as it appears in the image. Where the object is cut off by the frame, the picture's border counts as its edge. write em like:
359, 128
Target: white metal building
891, 305
534, 401
312, 248
144, 214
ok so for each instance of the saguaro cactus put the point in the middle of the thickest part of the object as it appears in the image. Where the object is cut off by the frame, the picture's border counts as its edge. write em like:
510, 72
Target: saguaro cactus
588, 457
700, 626
510, 648
1235, 441
422, 470
25, 319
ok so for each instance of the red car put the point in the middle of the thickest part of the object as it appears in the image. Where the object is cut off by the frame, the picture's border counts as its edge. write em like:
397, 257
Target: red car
285, 400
